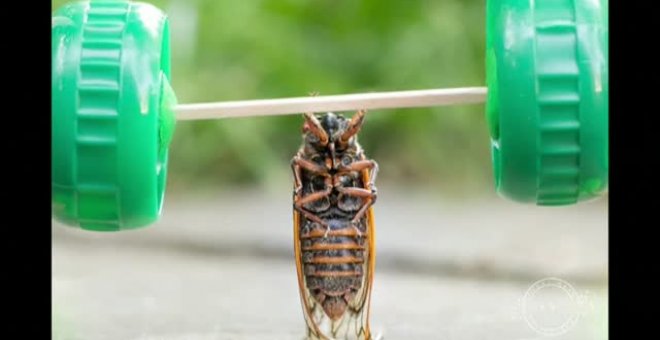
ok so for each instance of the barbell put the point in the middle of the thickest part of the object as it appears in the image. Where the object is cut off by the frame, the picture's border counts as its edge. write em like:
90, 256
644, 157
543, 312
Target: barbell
114, 111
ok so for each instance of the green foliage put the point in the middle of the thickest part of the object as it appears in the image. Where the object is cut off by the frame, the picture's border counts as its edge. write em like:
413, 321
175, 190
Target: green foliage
253, 49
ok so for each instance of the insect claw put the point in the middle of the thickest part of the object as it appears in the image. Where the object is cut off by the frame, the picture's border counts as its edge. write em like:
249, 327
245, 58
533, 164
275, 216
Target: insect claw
374, 193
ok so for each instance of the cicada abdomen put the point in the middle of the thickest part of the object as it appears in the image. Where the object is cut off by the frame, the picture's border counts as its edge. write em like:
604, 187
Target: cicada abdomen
334, 227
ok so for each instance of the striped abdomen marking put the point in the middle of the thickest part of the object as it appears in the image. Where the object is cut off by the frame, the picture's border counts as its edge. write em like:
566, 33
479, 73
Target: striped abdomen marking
333, 262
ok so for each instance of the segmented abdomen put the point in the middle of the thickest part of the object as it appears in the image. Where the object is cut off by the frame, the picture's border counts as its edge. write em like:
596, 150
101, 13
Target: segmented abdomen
334, 265
335, 258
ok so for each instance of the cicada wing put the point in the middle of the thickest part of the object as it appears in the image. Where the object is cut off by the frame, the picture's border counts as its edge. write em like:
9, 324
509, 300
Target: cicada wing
371, 261
305, 297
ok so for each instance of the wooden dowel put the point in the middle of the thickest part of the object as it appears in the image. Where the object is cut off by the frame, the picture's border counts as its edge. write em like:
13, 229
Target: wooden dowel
336, 103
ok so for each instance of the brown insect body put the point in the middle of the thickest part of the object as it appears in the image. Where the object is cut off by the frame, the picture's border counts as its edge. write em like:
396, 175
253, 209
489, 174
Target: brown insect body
334, 227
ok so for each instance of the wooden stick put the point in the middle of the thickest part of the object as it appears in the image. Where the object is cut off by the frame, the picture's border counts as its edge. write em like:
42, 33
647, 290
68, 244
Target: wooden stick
337, 103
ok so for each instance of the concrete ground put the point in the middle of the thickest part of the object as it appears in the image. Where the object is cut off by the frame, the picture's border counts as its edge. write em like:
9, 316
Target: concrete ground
221, 267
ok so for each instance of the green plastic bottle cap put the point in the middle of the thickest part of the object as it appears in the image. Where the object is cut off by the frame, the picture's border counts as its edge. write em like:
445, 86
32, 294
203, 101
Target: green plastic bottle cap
112, 113
547, 108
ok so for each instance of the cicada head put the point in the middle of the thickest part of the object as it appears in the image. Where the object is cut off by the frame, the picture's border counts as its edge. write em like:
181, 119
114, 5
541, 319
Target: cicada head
331, 131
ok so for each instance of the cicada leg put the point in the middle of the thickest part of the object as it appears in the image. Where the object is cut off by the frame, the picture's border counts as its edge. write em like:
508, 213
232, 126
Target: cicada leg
299, 200
298, 205
297, 164
354, 125
369, 195
365, 164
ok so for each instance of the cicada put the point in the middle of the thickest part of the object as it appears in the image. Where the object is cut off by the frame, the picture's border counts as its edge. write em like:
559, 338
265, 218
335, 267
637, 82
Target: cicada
333, 225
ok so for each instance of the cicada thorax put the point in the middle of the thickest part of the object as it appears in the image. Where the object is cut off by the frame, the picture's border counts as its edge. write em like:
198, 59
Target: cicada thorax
336, 204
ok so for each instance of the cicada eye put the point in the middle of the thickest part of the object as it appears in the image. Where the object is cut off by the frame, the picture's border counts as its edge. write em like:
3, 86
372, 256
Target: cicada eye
346, 160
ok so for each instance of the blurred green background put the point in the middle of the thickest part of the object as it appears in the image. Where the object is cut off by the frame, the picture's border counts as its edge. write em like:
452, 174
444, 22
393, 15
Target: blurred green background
233, 50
